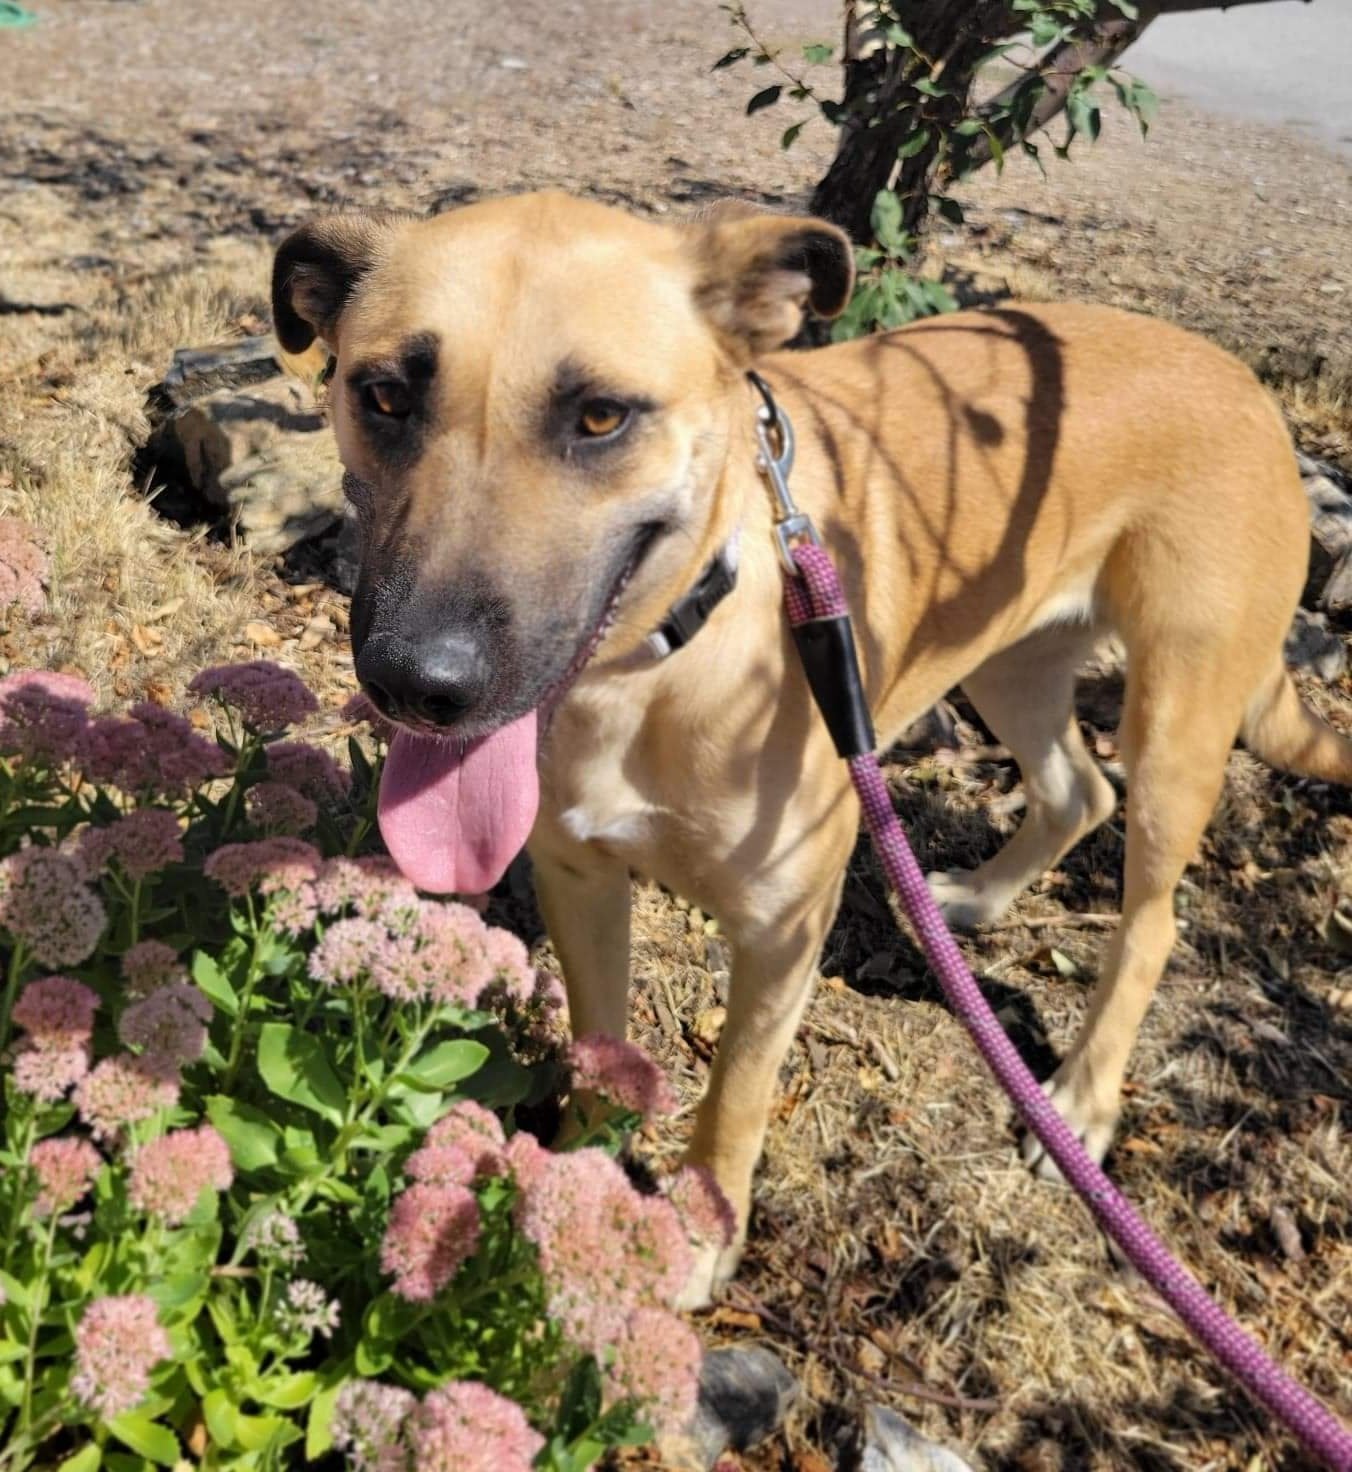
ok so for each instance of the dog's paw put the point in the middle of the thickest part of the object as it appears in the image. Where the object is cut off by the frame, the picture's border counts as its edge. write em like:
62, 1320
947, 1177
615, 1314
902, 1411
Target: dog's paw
1093, 1120
714, 1268
961, 900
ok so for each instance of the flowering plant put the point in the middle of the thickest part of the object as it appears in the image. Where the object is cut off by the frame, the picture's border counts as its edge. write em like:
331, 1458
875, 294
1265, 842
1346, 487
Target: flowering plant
267, 1196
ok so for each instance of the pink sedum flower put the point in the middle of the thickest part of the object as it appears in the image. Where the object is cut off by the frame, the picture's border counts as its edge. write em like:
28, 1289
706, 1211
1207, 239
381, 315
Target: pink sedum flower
169, 1174
509, 961
431, 1231
267, 697
118, 1342
368, 1424
705, 1212
623, 1074
349, 951
169, 1027
362, 885
278, 807
45, 902
65, 1169
308, 769
57, 1010
154, 752
43, 716
467, 1427
48, 1071
527, 1160
141, 844
605, 1250
272, 865
656, 1361
150, 964
120, 1092
475, 1133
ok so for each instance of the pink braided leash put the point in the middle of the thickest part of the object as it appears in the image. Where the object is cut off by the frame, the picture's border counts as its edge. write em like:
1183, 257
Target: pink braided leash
817, 593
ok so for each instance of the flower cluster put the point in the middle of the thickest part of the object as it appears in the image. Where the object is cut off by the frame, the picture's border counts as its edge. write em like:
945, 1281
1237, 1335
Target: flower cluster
142, 843
120, 1092
308, 1310
45, 901
65, 1170
431, 1231
461, 1427
118, 1343
277, 807
622, 1073
605, 1250
43, 716
267, 697
57, 1017
152, 753
308, 769
410, 950
23, 567
274, 1237
169, 1027
169, 1174
272, 865
148, 964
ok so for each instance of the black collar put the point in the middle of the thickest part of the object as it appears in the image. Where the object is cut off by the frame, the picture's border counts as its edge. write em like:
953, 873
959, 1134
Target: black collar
688, 615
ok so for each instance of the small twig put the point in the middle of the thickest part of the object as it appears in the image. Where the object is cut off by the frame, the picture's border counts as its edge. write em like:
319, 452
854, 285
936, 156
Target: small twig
1072, 920
910, 1388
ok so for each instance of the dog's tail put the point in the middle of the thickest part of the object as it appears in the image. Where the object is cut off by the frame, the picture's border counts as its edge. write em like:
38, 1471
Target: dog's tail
1286, 733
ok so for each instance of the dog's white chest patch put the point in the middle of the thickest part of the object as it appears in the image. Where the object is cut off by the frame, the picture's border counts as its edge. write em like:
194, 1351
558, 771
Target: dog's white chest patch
587, 824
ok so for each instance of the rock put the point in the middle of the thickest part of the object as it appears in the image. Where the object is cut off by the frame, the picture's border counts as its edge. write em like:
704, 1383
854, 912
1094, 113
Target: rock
195, 372
1312, 645
262, 454
888, 1444
1337, 594
745, 1395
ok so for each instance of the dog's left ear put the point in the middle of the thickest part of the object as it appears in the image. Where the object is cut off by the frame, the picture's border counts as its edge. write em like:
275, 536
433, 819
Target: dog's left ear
318, 268
760, 274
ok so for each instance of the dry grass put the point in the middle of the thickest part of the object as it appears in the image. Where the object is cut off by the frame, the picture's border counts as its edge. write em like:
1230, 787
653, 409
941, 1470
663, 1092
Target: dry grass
897, 1240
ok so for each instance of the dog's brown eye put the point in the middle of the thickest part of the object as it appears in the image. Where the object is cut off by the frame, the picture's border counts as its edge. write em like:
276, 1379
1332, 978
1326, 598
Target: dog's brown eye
604, 417
388, 398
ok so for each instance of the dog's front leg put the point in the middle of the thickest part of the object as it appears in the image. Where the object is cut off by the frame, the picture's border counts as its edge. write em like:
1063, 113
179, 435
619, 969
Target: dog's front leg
773, 968
584, 898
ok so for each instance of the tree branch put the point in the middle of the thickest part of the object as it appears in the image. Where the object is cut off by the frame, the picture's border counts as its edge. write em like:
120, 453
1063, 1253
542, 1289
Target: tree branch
1060, 67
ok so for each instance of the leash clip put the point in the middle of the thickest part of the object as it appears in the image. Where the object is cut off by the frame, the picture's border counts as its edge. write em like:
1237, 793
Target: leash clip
774, 436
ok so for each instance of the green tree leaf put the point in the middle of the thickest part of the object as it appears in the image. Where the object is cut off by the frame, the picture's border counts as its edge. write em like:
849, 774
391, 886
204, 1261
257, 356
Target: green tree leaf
294, 1067
766, 97
730, 58
818, 53
790, 135
912, 144
886, 221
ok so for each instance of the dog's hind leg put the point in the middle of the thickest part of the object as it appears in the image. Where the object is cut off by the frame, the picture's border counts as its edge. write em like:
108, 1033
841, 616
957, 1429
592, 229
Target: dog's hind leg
1183, 708
1026, 695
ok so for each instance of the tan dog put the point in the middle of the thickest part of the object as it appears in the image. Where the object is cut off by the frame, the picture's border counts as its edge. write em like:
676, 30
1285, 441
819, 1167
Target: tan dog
543, 408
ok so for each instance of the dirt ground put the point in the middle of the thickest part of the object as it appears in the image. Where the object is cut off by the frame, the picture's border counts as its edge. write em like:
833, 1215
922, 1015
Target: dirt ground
153, 152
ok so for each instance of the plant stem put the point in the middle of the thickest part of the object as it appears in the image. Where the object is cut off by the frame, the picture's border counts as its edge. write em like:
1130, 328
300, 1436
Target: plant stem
251, 980
35, 1323
16, 965
24, 1145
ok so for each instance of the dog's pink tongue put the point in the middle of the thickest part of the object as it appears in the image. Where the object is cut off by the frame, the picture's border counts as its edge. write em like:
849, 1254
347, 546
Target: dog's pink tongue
454, 820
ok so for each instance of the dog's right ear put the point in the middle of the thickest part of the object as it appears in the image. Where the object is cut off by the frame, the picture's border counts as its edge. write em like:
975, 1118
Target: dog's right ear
318, 268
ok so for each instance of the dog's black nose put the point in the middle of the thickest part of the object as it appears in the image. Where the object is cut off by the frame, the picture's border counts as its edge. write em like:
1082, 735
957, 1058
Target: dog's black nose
437, 680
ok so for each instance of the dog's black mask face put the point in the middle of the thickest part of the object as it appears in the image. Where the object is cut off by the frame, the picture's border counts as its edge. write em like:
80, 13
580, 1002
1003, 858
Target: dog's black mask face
534, 399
